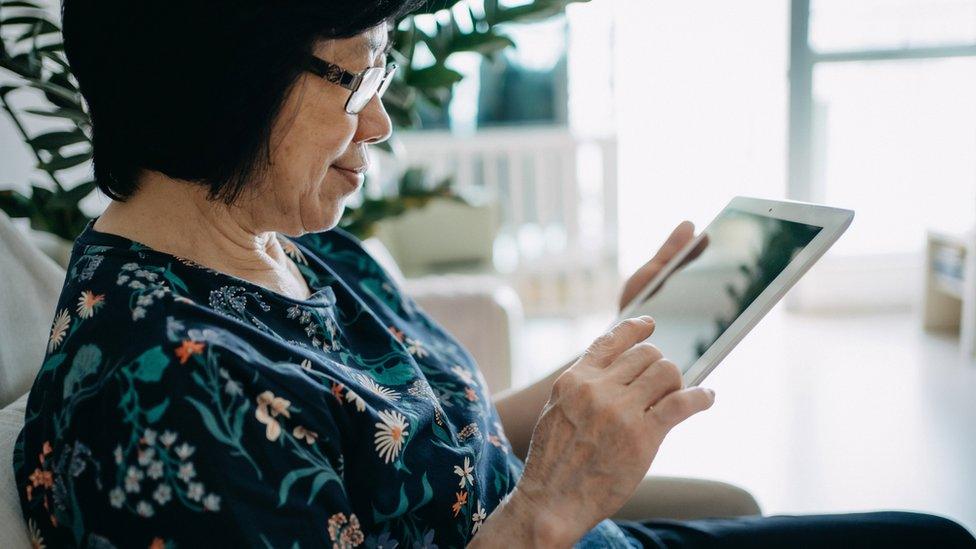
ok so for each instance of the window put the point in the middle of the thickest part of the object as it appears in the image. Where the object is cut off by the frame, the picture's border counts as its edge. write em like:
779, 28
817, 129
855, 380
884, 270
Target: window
882, 120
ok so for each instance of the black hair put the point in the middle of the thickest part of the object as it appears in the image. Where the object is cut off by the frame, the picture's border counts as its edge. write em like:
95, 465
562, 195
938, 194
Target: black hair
191, 88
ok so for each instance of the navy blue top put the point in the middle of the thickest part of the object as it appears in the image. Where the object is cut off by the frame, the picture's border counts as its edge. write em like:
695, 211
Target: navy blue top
181, 406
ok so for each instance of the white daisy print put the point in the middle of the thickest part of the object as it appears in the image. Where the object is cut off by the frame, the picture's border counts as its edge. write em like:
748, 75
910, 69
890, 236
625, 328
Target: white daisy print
36, 539
89, 303
416, 347
351, 396
463, 374
477, 518
58, 329
465, 473
390, 434
376, 388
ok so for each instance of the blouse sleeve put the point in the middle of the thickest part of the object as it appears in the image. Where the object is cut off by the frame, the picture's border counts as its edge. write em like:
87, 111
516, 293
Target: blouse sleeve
190, 441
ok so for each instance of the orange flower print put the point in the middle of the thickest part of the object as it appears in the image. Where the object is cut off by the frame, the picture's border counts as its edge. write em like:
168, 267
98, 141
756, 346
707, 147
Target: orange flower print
41, 478
470, 394
497, 442
345, 534
45, 451
187, 349
89, 303
157, 543
396, 333
462, 499
337, 390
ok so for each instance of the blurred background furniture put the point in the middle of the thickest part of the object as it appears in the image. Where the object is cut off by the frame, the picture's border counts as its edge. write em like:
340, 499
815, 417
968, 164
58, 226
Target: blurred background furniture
551, 227
949, 298
486, 316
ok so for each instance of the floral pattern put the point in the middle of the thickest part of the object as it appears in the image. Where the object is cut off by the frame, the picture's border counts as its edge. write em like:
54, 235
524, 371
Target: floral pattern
180, 406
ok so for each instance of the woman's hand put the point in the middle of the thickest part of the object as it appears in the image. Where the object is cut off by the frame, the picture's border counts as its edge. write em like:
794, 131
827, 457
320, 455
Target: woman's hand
596, 438
680, 237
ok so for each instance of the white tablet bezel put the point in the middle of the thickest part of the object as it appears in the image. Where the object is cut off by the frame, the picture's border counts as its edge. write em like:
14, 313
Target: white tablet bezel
834, 221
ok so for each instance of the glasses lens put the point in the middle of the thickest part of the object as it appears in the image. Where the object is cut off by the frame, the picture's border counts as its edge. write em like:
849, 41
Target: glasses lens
387, 79
367, 88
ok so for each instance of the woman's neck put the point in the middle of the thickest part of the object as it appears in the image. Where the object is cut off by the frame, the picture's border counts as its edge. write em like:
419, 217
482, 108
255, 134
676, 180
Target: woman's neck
175, 217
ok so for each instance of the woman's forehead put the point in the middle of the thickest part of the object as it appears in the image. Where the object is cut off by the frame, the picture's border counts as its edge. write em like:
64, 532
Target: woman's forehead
365, 45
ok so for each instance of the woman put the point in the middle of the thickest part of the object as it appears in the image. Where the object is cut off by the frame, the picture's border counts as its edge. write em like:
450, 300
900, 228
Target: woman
225, 368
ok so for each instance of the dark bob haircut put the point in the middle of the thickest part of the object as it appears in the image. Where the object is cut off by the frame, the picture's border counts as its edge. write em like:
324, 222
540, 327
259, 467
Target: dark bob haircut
191, 88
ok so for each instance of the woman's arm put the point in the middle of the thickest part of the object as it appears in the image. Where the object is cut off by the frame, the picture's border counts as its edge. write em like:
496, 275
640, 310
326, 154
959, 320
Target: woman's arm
520, 409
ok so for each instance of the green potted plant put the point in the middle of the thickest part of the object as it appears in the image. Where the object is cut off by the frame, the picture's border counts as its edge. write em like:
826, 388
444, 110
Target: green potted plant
33, 54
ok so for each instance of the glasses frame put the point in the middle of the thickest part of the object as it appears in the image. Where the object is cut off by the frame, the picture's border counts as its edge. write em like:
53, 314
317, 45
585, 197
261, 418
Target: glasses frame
350, 80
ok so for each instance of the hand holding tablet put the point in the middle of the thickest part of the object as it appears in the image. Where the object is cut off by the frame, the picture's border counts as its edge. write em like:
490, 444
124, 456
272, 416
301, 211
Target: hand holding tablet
715, 290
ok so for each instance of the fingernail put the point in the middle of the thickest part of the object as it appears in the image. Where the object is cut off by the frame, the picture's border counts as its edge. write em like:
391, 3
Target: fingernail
647, 318
710, 392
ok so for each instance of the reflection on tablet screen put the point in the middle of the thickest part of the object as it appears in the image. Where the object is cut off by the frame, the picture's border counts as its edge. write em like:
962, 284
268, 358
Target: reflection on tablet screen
741, 254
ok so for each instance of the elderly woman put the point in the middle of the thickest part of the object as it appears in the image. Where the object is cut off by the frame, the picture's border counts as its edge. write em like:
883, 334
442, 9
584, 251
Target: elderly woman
226, 368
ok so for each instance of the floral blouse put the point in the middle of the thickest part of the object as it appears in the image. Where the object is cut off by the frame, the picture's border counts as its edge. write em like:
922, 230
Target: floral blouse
180, 406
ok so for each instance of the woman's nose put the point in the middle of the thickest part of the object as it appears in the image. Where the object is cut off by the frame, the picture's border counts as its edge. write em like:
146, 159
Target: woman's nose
374, 123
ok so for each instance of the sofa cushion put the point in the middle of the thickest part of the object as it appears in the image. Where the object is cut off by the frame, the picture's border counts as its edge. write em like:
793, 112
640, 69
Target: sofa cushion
13, 531
30, 284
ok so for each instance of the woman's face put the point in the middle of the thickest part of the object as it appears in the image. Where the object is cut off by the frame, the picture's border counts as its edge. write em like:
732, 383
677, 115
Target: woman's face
318, 151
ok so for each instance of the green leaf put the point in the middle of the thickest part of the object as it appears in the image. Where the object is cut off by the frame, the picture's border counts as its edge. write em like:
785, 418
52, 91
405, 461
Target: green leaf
16, 204
151, 364
156, 412
75, 115
57, 139
64, 162
59, 95
19, 4
38, 19
41, 27
69, 199
486, 43
435, 76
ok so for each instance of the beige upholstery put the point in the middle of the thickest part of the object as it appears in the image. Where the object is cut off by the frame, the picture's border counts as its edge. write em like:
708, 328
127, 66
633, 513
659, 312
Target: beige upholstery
685, 498
13, 531
30, 283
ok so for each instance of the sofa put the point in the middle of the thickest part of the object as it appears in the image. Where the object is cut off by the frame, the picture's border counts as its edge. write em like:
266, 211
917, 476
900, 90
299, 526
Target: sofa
483, 314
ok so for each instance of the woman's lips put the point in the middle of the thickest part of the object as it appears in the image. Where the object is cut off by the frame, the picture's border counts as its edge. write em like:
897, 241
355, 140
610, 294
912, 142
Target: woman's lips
353, 177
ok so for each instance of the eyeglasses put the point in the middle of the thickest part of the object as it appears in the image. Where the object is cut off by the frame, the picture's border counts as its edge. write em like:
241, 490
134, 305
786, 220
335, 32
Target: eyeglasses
372, 81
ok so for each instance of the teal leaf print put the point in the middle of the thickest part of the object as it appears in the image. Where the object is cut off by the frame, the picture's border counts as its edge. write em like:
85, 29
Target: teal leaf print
153, 414
400, 510
175, 281
290, 479
85, 363
210, 421
319, 482
151, 364
52, 362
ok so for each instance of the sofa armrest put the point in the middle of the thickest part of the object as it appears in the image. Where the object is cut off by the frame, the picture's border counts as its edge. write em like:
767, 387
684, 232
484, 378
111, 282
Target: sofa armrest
687, 499
481, 312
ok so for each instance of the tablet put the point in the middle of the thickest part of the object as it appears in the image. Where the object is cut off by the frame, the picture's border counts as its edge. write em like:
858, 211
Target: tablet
712, 292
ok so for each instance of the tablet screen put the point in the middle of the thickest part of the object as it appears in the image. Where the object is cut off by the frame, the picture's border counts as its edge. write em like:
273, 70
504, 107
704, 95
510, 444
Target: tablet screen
740, 256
